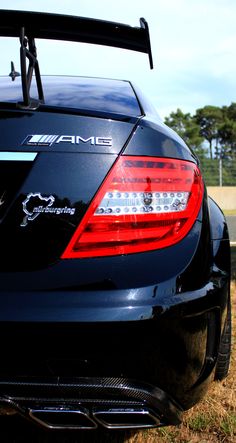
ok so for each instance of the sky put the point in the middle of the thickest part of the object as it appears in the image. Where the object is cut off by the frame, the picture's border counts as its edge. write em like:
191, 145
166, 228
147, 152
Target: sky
193, 45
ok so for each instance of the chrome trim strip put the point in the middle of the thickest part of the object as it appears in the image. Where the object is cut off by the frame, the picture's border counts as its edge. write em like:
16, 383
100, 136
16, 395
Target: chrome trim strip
18, 156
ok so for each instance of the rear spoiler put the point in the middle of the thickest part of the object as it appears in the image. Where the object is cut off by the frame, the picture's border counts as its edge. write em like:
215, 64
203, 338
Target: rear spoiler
30, 25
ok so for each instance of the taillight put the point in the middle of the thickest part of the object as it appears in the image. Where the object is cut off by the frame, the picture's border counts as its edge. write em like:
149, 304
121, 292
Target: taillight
145, 203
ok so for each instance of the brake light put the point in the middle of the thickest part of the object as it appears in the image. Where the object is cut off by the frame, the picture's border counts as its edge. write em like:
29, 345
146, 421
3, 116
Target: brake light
145, 203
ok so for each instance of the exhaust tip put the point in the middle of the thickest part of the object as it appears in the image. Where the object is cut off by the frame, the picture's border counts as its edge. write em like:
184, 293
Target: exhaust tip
127, 418
61, 418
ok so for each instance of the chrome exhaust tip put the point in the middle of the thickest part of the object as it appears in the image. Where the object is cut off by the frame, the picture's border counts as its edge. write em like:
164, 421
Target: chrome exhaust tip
62, 418
127, 418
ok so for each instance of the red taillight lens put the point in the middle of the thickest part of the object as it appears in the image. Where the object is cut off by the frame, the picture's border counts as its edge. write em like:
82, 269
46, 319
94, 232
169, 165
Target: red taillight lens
145, 203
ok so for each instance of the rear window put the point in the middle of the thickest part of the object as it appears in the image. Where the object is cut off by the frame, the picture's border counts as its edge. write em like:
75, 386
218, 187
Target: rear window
95, 94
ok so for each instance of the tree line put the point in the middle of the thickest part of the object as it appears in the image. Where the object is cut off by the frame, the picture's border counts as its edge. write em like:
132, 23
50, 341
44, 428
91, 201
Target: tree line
211, 134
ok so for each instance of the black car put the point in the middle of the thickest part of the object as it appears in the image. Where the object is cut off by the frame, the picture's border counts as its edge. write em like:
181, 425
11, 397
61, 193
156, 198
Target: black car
115, 263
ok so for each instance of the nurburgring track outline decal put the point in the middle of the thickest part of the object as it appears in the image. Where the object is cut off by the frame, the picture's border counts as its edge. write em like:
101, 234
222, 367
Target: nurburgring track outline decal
45, 208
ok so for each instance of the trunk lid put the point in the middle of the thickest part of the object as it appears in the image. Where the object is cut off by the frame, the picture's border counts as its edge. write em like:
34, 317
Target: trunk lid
51, 166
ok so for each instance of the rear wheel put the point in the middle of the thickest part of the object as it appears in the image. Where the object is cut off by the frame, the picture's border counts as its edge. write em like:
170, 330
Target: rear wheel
223, 360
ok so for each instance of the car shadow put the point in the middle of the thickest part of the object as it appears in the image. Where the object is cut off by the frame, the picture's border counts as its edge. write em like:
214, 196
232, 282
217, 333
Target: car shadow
14, 429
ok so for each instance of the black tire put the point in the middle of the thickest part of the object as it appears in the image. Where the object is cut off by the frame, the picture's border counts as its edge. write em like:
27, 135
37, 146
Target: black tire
223, 359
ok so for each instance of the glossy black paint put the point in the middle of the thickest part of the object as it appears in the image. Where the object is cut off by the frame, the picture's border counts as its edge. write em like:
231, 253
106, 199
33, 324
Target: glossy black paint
153, 317
44, 239
157, 139
169, 316
79, 29
30, 123
79, 93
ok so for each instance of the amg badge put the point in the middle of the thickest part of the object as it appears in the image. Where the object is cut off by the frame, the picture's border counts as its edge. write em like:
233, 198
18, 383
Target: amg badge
50, 139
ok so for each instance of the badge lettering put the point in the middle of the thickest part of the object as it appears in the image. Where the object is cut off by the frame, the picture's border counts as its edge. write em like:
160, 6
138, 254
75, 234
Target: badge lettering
51, 139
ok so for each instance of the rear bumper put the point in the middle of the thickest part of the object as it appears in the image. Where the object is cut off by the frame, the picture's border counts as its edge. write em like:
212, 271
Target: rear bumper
136, 304
84, 350
87, 403
169, 342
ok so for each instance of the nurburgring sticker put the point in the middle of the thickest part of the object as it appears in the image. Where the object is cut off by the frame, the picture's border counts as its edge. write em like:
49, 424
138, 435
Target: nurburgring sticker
35, 204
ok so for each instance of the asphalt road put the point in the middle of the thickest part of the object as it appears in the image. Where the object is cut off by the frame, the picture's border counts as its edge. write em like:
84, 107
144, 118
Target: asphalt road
231, 221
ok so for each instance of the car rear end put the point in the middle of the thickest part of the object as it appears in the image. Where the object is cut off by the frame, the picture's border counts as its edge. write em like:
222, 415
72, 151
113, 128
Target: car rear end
113, 289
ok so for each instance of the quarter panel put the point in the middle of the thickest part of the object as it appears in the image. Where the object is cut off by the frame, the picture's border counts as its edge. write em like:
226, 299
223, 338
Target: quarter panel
155, 139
